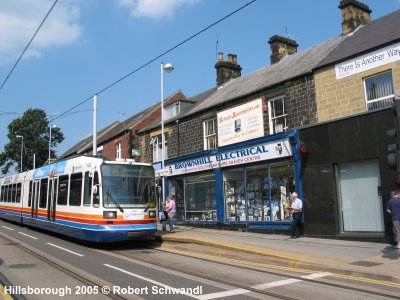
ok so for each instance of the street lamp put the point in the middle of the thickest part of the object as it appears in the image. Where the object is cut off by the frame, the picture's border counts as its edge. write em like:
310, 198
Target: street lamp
22, 147
50, 127
167, 68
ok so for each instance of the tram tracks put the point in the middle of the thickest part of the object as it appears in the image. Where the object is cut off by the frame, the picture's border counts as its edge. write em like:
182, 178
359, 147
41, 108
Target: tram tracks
69, 270
308, 276
258, 291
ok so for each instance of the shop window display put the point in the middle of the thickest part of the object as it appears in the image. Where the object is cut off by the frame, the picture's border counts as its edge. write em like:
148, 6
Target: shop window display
260, 194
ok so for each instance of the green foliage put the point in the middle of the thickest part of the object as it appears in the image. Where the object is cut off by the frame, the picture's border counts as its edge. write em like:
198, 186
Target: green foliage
34, 127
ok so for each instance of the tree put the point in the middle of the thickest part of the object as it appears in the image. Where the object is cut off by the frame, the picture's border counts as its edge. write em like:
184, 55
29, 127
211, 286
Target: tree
34, 127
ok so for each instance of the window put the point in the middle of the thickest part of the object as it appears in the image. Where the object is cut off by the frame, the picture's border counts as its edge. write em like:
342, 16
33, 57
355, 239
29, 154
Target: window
96, 193
277, 115
87, 189
172, 111
62, 190
379, 91
118, 150
75, 193
43, 193
210, 134
18, 193
156, 144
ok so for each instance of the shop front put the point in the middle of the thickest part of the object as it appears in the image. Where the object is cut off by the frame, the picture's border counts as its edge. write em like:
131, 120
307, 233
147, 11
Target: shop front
247, 183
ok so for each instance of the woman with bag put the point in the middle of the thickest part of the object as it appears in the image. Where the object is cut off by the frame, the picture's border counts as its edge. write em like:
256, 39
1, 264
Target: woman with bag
170, 209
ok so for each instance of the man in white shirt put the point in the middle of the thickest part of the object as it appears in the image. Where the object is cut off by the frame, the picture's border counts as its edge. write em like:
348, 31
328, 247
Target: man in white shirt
297, 212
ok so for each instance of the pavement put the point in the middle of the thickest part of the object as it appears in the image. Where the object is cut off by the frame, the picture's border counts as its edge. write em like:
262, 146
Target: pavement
375, 261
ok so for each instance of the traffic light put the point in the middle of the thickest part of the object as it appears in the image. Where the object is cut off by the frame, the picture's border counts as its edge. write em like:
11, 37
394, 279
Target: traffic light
393, 157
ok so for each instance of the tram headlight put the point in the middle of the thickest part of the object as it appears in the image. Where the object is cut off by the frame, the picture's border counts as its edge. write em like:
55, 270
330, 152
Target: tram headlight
152, 214
110, 214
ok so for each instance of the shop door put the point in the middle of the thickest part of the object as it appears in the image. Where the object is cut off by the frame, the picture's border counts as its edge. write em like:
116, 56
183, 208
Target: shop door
360, 202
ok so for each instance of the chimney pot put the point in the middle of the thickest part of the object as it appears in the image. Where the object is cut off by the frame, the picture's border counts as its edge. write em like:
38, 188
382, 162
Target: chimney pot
220, 56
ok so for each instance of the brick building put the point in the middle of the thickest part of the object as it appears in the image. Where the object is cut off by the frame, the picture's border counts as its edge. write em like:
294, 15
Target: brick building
215, 182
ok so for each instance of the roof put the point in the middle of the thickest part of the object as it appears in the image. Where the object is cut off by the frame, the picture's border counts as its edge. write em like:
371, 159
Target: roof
85, 143
376, 34
118, 127
287, 68
196, 100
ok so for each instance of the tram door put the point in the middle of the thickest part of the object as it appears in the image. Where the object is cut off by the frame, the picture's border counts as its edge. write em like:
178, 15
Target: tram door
35, 198
51, 207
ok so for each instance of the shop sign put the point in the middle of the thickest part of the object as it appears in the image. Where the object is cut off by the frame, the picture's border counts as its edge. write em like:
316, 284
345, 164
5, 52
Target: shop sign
241, 156
368, 61
241, 123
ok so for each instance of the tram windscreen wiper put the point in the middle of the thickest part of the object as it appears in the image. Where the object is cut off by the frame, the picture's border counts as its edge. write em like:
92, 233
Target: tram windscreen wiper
115, 202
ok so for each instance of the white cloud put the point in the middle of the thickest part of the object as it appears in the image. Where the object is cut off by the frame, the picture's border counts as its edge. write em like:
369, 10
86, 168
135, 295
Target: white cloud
19, 19
155, 9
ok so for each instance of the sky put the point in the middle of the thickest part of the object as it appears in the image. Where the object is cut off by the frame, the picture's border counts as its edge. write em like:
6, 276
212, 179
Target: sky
84, 46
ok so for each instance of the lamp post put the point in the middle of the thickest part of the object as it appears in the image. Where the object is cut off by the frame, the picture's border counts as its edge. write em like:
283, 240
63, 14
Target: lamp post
167, 68
22, 147
50, 127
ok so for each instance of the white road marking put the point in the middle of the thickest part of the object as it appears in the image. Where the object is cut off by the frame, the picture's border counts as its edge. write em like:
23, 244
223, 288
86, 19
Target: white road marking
223, 294
269, 285
316, 275
147, 279
263, 286
67, 250
7, 227
32, 237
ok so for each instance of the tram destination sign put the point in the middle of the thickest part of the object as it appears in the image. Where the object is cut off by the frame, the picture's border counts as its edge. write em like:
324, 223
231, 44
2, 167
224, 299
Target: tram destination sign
256, 153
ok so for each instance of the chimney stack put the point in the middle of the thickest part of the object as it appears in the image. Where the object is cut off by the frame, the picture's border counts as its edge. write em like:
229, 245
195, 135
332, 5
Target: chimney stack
227, 70
280, 47
354, 14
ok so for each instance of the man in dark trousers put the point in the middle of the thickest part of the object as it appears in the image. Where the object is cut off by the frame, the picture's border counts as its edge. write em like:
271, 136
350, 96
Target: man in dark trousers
297, 209
393, 208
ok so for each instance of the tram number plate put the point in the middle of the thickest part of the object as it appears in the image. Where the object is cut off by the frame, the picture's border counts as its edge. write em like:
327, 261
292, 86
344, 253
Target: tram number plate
132, 234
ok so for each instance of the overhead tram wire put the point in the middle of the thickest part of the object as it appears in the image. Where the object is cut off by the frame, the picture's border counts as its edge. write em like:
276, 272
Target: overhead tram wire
27, 46
156, 58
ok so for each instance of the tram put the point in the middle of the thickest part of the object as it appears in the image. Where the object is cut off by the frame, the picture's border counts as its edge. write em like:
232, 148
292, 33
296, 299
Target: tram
87, 198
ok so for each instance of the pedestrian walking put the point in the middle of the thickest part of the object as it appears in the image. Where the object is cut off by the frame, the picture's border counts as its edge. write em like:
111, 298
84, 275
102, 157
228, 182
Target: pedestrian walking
171, 210
163, 217
297, 213
393, 208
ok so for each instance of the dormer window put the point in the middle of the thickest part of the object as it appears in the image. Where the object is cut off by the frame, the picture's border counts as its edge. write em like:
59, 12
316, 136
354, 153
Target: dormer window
172, 111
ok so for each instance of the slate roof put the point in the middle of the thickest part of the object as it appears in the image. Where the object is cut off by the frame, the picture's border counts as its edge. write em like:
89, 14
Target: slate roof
196, 100
376, 34
118, 127
83, 144
287, 68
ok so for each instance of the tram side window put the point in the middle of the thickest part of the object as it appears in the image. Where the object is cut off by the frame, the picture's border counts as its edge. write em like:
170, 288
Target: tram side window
18, 196
43, 193
62, 190
12, 186
7, 189
87, 189
2, 193
75, 193
96, 196
30, 194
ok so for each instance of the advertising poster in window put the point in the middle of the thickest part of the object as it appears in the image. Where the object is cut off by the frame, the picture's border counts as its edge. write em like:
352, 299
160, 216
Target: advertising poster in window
241, 123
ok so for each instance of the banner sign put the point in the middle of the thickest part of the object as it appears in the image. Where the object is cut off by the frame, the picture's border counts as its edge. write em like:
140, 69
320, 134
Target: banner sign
241, 123
368, 61
50, 170
256, 153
